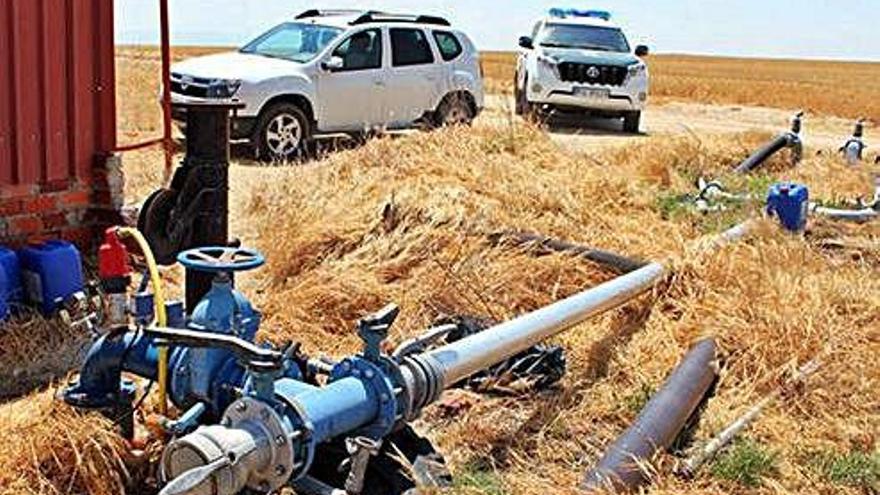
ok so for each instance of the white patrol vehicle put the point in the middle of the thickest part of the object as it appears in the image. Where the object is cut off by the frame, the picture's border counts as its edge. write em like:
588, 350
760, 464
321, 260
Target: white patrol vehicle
579, 61
338, 71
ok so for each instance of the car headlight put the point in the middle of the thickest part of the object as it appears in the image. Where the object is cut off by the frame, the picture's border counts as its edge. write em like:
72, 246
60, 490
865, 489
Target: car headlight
636, 70
549, 63
223, 88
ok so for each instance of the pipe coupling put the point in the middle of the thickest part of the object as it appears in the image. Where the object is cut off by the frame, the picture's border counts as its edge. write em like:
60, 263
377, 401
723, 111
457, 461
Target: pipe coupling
424, 380
251, 448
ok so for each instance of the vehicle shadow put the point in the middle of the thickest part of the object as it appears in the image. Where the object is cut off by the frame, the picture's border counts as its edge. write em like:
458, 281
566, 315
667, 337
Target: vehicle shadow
242, 152
575, 125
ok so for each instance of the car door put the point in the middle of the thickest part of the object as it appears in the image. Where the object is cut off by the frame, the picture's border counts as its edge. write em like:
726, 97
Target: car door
350, 83
415, 80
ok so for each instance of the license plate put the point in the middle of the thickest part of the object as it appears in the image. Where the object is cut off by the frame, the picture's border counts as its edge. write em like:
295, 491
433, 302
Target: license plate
594, 94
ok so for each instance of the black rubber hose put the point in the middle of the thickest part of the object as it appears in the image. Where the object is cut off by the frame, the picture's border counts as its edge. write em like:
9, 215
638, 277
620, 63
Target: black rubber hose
618, 263
658, 425
762, 155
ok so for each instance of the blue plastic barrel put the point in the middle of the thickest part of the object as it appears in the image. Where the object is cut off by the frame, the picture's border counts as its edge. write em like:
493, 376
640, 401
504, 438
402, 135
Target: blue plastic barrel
789, 202
52, 273
10, 265
4, 305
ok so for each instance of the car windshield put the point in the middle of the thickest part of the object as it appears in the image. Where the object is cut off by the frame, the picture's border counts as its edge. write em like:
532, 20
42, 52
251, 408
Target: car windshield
584, 37
293, 41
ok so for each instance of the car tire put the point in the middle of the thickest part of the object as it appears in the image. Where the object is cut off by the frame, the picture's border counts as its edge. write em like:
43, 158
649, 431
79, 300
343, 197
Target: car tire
632, 122
455, 109
522, 106
282, 133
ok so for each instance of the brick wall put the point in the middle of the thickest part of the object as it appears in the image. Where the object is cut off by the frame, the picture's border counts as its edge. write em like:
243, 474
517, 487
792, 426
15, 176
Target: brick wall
76, 211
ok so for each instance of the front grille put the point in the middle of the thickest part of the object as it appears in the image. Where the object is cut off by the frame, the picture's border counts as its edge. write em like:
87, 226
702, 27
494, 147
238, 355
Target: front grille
606, 75
189, 90
189, 86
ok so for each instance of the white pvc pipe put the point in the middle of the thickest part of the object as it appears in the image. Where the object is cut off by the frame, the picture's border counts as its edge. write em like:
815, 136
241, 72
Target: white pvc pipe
480, 351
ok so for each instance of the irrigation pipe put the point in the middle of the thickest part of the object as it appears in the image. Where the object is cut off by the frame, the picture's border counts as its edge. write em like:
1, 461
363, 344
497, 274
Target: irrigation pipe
618, 263
159, 309
858, 216
659, 423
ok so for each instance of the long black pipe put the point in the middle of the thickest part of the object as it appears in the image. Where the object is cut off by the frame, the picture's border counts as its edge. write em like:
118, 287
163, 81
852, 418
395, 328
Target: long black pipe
658, 425
762, 155
618, 263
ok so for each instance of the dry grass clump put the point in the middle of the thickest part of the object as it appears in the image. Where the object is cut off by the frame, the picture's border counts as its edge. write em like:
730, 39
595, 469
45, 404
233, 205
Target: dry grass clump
408, 220
48, 449
35, 351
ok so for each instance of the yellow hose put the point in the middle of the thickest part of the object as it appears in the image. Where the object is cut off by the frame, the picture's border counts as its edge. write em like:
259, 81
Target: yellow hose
159, 307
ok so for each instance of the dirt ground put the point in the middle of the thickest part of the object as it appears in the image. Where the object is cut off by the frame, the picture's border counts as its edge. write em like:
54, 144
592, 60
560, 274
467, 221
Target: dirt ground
672, 118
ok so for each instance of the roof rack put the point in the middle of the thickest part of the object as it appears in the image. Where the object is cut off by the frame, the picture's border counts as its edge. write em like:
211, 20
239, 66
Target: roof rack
328, 12
375, 16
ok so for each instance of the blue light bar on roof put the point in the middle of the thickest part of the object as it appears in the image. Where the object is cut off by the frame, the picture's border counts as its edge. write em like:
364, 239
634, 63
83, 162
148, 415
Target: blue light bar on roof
563, 13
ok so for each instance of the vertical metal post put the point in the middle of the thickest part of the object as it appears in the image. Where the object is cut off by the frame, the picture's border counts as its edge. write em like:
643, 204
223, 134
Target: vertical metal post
207, 167
167, 138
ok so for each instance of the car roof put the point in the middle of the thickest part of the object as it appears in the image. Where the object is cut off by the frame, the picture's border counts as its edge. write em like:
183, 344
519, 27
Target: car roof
344, 18
580, 21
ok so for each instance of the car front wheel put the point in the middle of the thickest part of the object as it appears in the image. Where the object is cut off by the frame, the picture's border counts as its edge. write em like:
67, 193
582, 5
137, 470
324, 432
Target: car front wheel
454, 110
282, 133
632, 122
523, 107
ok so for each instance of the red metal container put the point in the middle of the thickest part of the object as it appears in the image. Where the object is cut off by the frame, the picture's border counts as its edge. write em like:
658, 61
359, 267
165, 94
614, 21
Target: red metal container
57, 117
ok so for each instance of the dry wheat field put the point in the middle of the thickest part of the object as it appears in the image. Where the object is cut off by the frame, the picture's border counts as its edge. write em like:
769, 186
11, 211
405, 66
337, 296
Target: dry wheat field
774, 301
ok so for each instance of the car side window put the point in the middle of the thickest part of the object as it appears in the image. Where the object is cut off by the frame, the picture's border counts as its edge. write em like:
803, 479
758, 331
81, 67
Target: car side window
410, 47
450, 47
361, 51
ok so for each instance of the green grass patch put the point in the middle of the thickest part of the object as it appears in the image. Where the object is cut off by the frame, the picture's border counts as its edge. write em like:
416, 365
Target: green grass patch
637, 400
746, 463
672, 206
854, 469
475, 477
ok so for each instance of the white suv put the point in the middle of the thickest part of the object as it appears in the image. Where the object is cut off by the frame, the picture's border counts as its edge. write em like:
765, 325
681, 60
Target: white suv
339, 71
578, 61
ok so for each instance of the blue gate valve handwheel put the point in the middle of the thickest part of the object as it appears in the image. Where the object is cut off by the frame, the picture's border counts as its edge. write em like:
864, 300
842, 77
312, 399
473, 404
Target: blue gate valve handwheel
221, 259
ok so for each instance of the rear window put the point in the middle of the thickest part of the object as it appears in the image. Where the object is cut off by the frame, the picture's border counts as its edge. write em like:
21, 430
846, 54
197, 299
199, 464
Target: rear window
410, 47
450, 47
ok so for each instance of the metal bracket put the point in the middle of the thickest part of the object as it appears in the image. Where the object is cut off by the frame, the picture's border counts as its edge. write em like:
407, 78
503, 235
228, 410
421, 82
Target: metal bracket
361, 450
373, 330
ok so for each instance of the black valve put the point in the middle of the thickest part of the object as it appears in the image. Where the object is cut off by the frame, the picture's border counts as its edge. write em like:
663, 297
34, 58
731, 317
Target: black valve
373, 330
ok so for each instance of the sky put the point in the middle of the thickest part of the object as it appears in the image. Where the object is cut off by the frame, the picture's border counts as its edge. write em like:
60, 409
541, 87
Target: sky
815, 29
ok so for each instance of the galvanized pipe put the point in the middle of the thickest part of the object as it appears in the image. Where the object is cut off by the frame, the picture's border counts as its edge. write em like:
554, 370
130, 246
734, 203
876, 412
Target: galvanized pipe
621, 468
859, 216
461, 359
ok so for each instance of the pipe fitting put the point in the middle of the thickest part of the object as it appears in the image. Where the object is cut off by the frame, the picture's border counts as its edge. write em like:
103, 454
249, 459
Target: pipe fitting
252, 449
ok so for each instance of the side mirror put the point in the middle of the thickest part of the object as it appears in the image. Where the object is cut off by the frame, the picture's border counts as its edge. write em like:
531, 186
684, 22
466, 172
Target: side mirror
642, 51
333, 64
526, 42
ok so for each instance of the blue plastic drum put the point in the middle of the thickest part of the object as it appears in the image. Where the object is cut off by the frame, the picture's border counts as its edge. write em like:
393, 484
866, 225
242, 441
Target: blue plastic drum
10, 265
52, 273
4, 290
